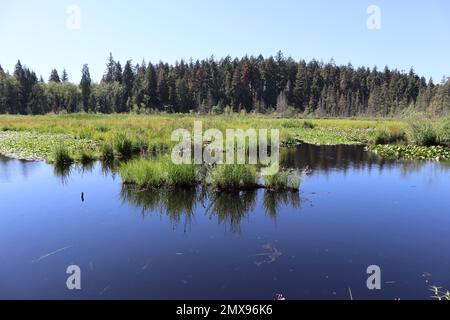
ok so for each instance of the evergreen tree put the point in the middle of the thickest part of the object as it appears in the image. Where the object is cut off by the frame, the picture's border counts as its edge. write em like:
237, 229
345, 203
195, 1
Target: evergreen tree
85, 86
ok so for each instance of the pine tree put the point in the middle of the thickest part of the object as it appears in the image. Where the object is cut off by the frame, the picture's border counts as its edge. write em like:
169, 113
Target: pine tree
64, 76
54, 76
85, 86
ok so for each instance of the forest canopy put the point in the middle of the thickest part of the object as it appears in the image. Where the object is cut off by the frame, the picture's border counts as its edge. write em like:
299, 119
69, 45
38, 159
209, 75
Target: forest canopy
254, 84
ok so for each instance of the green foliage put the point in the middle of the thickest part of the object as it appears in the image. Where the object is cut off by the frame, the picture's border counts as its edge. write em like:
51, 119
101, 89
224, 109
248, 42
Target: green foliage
282, 180
386, 135
107, 152
184, 175
308, 124
250, 84
421, 131
61, 155
233, 177
412, 152
144, 173
123, 145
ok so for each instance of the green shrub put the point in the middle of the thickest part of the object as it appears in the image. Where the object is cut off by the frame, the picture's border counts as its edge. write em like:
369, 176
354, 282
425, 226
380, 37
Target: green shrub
421, 132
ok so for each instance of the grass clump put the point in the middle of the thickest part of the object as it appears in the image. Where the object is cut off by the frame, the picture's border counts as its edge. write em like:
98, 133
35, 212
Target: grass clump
107, 152
183, 175
421, 132
443, 131
144, 173
61, 155
386, 135
234, 176
86, 156
307, 124
282, 180
123, 145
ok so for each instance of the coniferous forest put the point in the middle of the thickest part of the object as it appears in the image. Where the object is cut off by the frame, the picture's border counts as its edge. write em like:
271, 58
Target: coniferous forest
254, 84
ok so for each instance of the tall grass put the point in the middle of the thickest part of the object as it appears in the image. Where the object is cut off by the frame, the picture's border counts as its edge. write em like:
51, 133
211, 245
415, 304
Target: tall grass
386, 135
234, 176
183, 175
282, 180
145, 173
421, 132
61, 155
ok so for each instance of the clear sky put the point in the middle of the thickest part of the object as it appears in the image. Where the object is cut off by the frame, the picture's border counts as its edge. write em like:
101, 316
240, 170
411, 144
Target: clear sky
413, 33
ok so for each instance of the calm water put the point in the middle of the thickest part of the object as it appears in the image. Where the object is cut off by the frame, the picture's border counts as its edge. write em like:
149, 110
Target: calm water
354, 210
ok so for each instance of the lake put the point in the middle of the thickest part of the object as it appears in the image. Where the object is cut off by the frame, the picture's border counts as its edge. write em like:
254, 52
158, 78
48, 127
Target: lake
354, 210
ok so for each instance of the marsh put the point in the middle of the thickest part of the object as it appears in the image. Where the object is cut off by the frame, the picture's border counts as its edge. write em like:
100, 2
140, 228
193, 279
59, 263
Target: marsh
353, 210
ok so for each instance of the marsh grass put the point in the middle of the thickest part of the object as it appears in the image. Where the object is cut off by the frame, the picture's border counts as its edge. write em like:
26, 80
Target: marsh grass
123, 145
61, 155
86, 156
282, 180
421, 132
144, 173
234, 176
386, 135
107, 152
182, 175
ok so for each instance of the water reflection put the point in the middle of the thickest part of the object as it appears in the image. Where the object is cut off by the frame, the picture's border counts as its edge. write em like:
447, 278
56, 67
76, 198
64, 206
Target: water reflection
229, 207
325, 158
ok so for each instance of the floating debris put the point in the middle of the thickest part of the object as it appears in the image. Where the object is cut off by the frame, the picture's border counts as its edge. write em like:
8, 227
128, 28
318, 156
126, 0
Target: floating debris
279, 296
50, 254
272, 255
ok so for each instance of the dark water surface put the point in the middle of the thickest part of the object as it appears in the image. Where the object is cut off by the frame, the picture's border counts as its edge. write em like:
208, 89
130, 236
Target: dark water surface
354, 210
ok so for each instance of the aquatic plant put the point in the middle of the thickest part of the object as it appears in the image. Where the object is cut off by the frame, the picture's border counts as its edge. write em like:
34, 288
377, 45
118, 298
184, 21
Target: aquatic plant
123, 145
421, 131
61, 155
436, 153
107, 152
307, 124
386, 135
143, 172
181, 174
86, 156
233, 176
282, 180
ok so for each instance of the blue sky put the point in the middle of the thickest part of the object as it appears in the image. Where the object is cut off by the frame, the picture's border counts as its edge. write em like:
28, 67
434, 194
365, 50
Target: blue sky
413, 33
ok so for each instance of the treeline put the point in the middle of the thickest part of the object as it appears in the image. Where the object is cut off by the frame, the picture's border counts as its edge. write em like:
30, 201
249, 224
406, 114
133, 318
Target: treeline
254, 84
